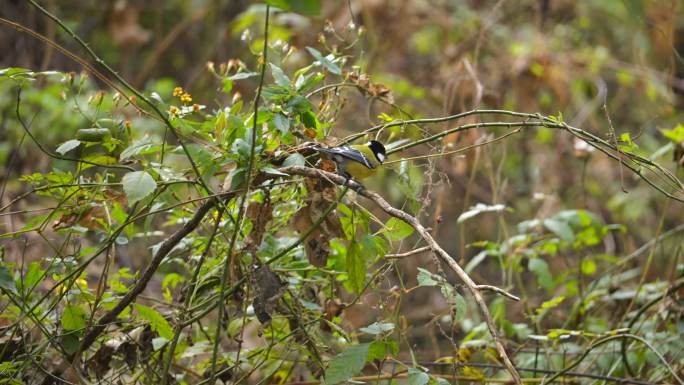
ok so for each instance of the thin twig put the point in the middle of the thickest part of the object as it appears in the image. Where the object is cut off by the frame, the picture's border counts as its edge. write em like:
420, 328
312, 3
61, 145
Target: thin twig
243, 201
408, 253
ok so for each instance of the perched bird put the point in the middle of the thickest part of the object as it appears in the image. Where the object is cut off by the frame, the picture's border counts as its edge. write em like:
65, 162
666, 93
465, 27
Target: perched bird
357, 161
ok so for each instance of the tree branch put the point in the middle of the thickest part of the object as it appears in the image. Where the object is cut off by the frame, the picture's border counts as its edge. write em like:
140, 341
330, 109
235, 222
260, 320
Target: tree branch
434, 246
147, 275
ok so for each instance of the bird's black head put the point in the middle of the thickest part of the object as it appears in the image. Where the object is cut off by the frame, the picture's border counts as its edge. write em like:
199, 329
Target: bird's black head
378, 149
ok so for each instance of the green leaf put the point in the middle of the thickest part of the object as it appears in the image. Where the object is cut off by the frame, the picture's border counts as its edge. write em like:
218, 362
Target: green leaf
68, 146
137, 185
34, 274
295, 159
309, 120
299, 104
6, 280
460, 307
70, 342
550, 304
73, 318
356, 266
377, 350
279, 76
144, 147
282, 123
541, 269
426, 278
324, 61
157, 322
306, 7
417, 377
562, 229
158, 343
588, 267
227, 85
676, 134
378, 328
396, 229
346, 364
479, 209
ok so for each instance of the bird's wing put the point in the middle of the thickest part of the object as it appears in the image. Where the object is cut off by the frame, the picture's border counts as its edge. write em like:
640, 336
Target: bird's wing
346, 152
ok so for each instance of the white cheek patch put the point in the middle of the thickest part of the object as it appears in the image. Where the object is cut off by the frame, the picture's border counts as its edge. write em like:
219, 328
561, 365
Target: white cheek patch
381, 157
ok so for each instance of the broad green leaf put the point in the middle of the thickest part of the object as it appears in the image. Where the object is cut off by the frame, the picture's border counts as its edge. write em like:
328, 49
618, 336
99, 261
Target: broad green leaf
377, 350
279, 76
417, 377
479, 209
6, 280
396, 229
70, 342
137, 185
588, 266
378, 328
73, 318
295, 159
157, 322
34, 274
227, 85
144, 147
282, 123
562, 229
541, 269
306, 7
324, 61
356, 266
299, 104
676, 134
460, 307
346, 364
309, 120
68, 146
426, 278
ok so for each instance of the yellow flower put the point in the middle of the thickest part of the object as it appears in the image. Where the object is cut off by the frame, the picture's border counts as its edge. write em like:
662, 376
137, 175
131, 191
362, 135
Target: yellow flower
173, 110
186, 98
178, 91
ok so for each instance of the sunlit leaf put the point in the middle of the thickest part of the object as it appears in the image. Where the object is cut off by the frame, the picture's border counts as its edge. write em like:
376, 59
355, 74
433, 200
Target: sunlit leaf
396, 229
73, 318
324, 61
306, 7
137, 185
157, 322
68, 146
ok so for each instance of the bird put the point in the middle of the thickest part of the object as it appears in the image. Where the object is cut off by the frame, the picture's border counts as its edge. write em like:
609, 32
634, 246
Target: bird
358, 161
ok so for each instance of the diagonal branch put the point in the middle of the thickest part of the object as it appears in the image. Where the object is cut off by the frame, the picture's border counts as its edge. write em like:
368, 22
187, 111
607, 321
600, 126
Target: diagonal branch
147, 275
473, 288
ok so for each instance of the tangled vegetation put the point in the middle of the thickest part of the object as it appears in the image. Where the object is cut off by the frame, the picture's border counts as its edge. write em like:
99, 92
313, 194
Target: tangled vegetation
184, 232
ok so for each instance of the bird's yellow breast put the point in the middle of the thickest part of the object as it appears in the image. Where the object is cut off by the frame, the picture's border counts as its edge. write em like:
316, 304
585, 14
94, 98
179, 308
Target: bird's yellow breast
358, 170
